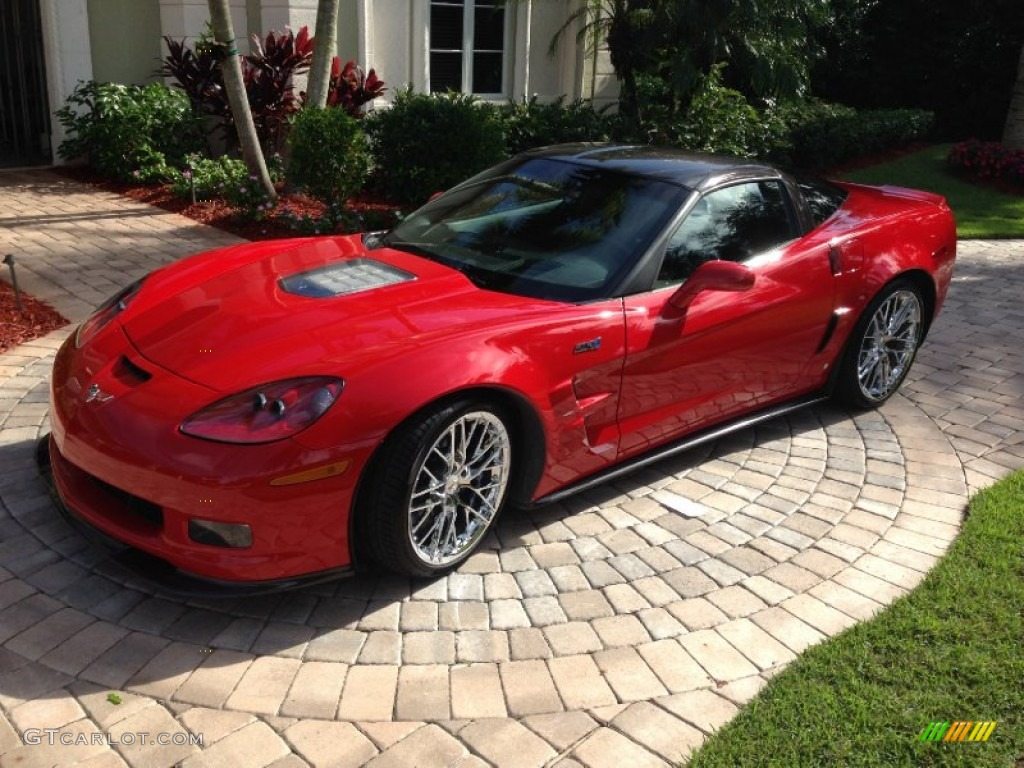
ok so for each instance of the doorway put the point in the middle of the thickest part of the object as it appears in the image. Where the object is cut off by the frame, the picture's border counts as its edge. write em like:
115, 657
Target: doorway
24, 106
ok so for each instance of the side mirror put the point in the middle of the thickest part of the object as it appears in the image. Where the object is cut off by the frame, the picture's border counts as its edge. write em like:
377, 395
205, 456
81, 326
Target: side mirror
713, 276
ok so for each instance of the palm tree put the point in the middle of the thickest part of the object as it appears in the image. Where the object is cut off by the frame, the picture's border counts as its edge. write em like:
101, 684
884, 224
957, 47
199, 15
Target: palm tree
681, 41
1013, 133
234, 87
625, 26
326, 38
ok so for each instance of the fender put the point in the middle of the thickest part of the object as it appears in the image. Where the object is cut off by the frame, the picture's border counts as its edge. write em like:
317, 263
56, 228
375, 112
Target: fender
573, 393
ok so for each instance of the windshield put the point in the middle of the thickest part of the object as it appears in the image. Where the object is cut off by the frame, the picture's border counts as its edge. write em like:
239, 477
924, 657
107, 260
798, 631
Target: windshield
541, 227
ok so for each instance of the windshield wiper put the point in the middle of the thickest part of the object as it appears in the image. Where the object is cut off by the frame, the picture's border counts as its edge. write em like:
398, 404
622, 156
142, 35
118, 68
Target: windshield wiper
420, 249
480, 277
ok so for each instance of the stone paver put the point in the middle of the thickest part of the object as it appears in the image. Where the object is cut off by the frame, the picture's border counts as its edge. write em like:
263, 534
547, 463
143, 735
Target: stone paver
619, 627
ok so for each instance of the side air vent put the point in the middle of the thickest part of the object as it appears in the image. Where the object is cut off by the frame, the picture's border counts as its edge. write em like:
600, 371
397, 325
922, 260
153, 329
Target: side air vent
830, 329
130, 373
344, 277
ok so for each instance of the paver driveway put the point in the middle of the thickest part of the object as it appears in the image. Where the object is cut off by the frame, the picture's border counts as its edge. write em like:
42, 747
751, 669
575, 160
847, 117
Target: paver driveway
615, 629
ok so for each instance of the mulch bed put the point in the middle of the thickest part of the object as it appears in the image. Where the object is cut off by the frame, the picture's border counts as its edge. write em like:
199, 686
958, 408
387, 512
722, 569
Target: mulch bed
866, 161
37, 318
217, 213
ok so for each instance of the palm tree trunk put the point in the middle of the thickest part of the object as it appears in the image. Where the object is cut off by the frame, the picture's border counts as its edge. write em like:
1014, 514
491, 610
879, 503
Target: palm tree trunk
234, 87
323, 53
1013, 133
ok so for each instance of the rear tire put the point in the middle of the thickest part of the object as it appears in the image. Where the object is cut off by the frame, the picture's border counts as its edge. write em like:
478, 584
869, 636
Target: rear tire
437, 487
882, 346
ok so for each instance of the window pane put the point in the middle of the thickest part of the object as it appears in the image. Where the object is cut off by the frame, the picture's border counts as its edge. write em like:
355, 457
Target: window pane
487, 73
822, 198
489, 32
445, 72
732, 224
446, 27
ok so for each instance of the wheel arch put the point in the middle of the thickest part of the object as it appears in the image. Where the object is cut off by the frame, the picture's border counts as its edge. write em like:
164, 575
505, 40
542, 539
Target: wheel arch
924, 282
528, 440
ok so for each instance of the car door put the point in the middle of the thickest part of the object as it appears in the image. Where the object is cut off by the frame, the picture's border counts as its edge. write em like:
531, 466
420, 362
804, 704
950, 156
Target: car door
726, 352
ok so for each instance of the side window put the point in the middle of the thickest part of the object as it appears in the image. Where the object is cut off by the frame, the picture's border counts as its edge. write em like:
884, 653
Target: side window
733, 224
823, 199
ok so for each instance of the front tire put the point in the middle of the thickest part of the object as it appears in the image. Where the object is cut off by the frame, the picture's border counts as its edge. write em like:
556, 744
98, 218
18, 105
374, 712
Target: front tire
882, 347
437, 487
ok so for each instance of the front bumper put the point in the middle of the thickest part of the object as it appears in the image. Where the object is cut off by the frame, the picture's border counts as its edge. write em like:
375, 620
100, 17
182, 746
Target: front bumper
159, 573
120, 464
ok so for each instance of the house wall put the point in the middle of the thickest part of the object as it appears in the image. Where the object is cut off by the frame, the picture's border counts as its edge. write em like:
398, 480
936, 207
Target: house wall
387, 40
120, 40
348, 30
188, 18
552, 73
125, 38
66, 46
388, 35
600, 84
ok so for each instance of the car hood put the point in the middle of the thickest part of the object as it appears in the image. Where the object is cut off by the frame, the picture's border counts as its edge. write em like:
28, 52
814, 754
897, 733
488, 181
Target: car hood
260, 312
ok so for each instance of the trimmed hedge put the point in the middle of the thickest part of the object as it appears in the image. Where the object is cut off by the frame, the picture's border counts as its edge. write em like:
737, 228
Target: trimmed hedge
330, 157
425, 143
820, 135
530, 124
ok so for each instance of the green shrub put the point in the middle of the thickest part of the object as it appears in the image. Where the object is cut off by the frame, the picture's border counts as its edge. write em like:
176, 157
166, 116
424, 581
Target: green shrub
821, 135
207, 177
129, 132
721, 120
329, 155
530, 124
249, 199
328, 222
426, 143
718, 119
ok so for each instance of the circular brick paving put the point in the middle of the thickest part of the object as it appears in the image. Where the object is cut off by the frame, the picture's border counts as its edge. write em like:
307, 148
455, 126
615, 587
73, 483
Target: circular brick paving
617, 626
608, 597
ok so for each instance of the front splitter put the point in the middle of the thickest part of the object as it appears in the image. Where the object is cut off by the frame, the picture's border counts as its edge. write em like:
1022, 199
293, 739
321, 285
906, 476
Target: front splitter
161, 575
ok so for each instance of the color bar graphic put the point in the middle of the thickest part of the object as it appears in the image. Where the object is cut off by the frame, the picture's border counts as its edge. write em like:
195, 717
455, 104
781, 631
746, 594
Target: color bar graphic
959, 730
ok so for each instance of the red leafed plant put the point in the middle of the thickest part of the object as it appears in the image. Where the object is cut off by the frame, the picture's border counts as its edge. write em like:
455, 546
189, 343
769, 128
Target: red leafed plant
268, 74
351, 88
197, 72
988, 160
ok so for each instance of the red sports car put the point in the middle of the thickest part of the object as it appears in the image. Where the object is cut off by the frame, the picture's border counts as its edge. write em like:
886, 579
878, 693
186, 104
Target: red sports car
282, 410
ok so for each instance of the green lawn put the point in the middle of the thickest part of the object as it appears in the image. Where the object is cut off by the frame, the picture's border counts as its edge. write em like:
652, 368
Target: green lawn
981, 211
953, 649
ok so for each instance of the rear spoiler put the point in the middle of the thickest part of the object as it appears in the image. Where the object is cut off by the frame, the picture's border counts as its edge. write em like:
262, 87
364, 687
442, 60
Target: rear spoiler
904, 192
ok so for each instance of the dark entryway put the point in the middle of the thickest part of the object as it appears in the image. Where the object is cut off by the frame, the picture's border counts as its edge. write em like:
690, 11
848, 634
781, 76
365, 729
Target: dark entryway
24, 108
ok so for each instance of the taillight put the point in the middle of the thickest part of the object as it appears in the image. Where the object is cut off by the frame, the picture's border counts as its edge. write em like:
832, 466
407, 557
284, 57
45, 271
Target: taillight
265, 413
107, 311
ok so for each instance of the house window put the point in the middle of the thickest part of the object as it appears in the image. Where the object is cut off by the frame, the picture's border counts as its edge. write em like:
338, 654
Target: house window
467, 46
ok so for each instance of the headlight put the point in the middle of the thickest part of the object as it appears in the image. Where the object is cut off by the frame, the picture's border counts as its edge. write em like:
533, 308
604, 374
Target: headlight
265, 413
107, 311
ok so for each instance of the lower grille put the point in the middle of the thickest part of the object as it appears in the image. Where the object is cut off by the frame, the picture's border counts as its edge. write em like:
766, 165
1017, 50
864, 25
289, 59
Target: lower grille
132, 504
101, 498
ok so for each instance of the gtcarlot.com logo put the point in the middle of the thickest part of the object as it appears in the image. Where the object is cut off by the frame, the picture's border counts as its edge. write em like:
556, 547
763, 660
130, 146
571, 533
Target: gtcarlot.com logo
57, 737
959, 730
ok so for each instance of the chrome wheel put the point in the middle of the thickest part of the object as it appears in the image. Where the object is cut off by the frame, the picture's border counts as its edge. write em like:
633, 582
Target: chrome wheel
459, 487
888, 346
